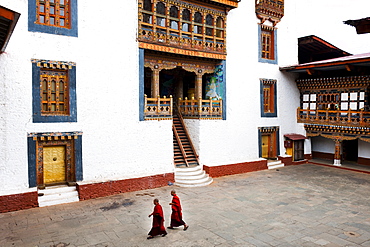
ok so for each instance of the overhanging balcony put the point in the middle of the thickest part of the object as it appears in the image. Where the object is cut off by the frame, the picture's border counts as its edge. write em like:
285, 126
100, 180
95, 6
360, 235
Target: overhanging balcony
334, 117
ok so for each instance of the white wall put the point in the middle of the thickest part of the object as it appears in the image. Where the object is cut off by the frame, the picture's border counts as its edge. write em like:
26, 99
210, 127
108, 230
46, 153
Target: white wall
363, 149
115, 144
322, 144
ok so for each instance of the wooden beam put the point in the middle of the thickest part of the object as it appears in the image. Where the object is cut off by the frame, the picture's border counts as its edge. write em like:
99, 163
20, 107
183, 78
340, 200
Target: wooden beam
310, 71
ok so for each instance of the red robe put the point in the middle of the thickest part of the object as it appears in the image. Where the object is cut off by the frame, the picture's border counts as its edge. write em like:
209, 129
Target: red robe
176, 216
158, 221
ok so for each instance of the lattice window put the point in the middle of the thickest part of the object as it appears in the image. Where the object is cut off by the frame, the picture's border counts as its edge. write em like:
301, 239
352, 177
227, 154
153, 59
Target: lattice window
268, 98
54, 92
198, 20
174, 17
186, 21
148, 12
267, 43
161, 14
209, 25
352, 100
53, 13
219, 27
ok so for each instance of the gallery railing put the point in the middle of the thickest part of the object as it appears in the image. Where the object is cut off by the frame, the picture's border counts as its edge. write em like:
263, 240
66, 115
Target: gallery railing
201, 109
158, 108
334, 117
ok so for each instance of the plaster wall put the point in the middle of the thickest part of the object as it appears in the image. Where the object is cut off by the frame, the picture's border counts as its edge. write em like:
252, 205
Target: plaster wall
116, 145
322, 144
363, 149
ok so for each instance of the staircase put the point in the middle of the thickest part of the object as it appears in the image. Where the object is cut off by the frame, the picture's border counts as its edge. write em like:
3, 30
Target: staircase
54, 195
273, 164
192, 177
188, 172
184, 154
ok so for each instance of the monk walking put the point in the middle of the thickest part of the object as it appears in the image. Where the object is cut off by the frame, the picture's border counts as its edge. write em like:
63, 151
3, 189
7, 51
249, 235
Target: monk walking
176, 216
158, 221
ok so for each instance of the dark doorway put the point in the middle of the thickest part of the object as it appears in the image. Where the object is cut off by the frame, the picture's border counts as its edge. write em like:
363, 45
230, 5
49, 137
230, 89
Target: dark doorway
350, 150
298, 150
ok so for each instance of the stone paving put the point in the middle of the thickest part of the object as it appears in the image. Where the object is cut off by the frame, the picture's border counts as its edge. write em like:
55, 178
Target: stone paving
305, 205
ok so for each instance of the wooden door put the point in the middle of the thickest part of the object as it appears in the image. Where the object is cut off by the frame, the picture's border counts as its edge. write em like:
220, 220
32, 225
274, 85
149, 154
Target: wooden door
298, 150
54, 164
265, 146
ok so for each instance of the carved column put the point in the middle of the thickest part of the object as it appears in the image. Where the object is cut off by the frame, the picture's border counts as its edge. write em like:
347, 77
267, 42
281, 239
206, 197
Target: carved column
155, 82
337, 156
198, 84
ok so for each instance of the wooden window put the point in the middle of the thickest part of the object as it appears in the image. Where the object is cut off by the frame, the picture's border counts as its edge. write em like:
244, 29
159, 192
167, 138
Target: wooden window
198, 20
148, 12
174, 18
53, 13
209, 25
268, 98
267, 44
161, 14
186, 21
54, 92
219, 27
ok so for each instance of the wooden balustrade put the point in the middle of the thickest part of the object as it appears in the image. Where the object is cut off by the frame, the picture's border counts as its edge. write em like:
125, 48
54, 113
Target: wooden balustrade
337, 117
158, 108
202, 109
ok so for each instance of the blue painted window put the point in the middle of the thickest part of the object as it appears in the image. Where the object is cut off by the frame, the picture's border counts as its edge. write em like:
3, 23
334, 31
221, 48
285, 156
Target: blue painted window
268, 98
267, 44
53, 92
53, 16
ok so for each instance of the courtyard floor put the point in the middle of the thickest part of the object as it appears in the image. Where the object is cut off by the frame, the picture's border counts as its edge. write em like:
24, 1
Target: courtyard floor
303, 205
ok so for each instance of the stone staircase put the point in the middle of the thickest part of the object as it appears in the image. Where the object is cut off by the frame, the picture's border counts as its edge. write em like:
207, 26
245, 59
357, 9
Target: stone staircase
55, 195
273, 164
191, 177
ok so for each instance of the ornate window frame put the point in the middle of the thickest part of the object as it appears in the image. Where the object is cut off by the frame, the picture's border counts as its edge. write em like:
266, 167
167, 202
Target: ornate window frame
38, 116
267, 32
268, 105
71, 27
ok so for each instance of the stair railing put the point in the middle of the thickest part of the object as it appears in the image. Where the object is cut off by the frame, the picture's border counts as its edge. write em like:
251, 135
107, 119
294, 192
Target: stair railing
186, 133
180, 145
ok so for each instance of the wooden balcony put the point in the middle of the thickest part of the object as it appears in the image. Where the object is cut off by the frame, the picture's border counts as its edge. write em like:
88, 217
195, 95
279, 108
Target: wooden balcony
158, 108
201, 109
334, 117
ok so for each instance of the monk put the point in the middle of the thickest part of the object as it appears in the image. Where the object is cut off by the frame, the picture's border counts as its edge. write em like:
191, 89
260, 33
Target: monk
176, 216
158, 221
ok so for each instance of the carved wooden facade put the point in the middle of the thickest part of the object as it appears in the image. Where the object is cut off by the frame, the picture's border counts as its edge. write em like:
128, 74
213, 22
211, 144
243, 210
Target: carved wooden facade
189, 36
193, 28
272, 10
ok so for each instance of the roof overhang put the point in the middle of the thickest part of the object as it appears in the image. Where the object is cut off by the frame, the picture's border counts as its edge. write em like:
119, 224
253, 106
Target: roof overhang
295, 137
312, 48
362, 25
8, 20
346, 63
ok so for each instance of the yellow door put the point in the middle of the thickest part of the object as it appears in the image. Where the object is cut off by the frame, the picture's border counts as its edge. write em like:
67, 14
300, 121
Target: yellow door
54, 164
265, 146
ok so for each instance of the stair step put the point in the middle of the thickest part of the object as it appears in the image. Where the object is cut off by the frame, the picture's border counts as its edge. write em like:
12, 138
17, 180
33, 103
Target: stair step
274, 164
57, 195
195, 184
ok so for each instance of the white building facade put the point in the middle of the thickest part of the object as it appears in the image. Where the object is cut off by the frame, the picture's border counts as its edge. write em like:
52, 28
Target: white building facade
76, 84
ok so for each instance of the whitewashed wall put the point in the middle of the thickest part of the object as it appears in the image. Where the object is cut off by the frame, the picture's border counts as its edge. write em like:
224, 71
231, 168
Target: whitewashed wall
322, 144
115, 144
363, 149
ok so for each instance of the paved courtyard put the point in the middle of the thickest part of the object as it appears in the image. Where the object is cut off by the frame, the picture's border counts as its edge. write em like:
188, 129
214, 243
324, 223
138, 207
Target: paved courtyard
305, 205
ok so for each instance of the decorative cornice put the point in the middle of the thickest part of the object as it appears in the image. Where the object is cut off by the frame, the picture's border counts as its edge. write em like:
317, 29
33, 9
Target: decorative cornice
272, 10
334, 82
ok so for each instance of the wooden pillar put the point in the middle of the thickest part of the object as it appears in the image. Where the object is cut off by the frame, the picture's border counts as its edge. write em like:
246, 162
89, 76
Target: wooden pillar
198, 85
337, 158
155, 82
